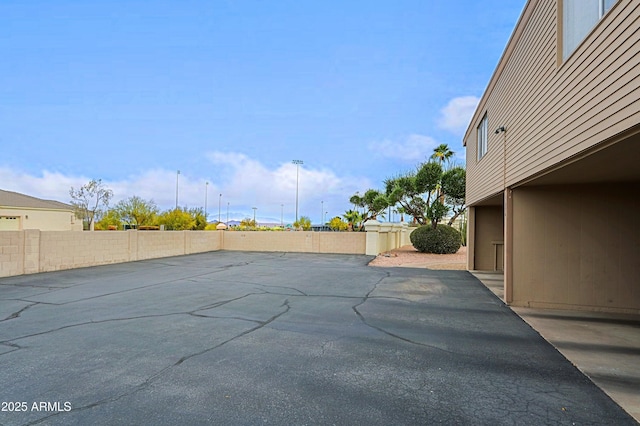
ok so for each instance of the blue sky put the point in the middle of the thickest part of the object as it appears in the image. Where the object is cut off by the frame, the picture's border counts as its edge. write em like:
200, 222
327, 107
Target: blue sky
229, 92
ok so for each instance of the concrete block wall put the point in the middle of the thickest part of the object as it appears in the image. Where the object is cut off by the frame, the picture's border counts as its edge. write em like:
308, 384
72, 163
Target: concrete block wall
300, 242
66, 250
152, 245
11, 253
32, 251
200, 242
341, 242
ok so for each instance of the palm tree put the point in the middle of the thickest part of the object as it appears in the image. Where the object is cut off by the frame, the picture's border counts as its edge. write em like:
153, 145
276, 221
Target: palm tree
353, 218
442, 153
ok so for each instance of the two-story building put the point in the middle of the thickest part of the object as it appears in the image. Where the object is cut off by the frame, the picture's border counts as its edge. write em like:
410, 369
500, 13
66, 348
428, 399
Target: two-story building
553, 159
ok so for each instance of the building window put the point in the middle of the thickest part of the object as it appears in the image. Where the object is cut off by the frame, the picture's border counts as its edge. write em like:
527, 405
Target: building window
482, 137
578, 18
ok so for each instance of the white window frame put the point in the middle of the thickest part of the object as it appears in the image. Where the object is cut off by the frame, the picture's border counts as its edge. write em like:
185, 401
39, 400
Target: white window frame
603, 8
483, 136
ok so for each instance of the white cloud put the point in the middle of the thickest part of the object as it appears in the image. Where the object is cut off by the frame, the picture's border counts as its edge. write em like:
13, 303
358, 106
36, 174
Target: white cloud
250, 183
413, 149
48, 186
243, 182
456, 115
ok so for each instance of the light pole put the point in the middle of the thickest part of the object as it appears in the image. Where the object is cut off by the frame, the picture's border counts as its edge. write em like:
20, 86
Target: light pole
206, 191
321, 214
281, 214
177, 176
219, 201
297, 163
227, 213
254, 216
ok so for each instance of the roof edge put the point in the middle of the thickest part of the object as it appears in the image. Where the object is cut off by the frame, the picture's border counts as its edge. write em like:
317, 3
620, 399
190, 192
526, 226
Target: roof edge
506, 55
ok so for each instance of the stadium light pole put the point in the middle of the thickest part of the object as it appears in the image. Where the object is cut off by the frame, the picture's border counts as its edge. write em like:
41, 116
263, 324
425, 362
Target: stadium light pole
219, 202
206, 192
177, 176
297, 163
254, 216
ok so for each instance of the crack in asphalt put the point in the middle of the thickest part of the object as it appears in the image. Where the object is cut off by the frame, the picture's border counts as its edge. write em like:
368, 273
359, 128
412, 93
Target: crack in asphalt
196, 313
154, 377
80, 324
17, 313
364, 320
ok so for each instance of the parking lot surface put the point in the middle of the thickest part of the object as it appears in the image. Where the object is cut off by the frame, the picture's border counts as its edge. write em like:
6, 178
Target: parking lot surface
240, 338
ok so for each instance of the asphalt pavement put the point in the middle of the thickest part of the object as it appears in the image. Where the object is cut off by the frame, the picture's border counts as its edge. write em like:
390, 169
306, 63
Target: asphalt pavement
237, 338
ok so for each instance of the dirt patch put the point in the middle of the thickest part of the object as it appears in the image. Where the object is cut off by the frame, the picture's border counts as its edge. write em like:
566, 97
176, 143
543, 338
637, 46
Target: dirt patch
409, 257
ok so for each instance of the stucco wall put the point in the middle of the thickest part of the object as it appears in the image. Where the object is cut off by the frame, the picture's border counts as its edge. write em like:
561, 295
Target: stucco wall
577, 247
46, 220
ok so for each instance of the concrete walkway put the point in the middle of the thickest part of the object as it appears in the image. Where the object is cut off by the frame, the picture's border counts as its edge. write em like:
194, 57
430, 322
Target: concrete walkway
605, 347
271, 338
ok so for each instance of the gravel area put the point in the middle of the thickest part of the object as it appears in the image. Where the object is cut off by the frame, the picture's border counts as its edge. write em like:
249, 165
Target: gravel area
409, 257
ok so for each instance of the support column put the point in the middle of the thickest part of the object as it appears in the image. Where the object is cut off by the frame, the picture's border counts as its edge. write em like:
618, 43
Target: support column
372, 227
471, 238
508, 245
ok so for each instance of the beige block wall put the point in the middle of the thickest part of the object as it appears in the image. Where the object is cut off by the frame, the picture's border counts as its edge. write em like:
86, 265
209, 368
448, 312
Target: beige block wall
152, 245
11, 253
577, 247
66, 250
199, 242
33, 251
302, 242
342, 242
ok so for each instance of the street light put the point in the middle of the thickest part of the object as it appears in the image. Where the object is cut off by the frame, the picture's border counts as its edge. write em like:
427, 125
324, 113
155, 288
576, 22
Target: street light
297, 163
227, 213
321, 213
206, 191
281, 214
254, 216
219, 201
177, 176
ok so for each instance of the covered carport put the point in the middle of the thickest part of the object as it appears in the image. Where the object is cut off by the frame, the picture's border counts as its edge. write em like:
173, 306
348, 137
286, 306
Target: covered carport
572, 234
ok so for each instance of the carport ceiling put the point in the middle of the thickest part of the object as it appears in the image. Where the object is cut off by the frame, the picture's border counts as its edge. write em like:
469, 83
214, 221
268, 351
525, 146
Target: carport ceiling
615, 163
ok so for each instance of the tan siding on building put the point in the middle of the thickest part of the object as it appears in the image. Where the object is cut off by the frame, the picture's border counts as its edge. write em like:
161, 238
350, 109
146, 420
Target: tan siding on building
575, 247
554, 111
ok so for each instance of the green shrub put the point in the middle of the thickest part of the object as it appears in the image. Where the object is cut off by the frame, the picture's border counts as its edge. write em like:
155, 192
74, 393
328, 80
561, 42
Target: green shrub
441, 240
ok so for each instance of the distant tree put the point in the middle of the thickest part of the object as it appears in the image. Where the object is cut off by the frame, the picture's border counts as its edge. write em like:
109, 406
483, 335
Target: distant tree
247, 223
137, 211
337, 224
303, 223
353, 218
110, 219
88, 200
373, 203
442, 153
177, 220
200, 220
